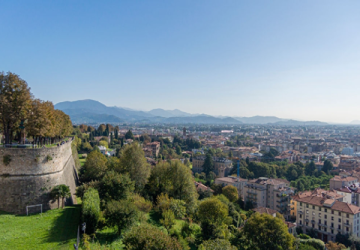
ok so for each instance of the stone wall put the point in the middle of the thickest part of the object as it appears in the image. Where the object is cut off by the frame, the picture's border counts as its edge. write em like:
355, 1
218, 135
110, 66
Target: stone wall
32, 173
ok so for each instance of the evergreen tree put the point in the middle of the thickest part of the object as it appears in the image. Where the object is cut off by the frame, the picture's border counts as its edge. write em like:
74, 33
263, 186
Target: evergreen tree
208, 164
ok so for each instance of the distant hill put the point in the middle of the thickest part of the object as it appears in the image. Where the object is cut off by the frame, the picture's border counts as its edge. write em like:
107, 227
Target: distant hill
299, 123
95, 107
168, 113
259, 119
355, 122
91, 111
201, 120
94, 118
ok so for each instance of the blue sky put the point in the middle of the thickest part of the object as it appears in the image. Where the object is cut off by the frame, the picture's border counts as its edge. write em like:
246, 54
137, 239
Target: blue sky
291, 59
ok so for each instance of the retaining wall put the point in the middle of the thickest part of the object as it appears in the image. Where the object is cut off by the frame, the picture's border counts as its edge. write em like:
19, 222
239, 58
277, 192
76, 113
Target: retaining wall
32, 173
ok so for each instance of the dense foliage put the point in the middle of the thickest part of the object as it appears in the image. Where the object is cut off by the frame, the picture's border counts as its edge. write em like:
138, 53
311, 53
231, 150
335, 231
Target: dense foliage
91, 210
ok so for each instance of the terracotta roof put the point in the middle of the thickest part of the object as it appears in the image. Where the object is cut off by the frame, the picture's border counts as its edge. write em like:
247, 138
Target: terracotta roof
289, 224
263, 210
202, 187
336, 205
230, 179
340, 178
319, 193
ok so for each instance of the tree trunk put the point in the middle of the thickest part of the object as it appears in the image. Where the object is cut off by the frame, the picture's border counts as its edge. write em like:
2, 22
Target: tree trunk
59, 202
63, 202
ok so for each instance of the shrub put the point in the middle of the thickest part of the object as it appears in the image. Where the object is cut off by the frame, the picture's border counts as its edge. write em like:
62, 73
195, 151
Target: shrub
149, 237
6, 159
49, 158
304, 236
91, 210
178, 208
317, 244
163, 202
217, 244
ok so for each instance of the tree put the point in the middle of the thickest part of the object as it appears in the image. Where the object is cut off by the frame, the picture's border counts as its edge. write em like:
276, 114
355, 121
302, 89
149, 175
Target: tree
121, 214
94, 168
146, 236
15, 100
133, 161
168, 220
334, 246
91, 209
217, 244
208, 165
310, 168
129, 135
213, 211
115, 186
60, 192
104, 143
273, 233
328, 166
231, 193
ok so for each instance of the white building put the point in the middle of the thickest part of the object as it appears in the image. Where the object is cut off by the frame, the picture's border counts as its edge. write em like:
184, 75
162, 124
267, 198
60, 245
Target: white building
347, 151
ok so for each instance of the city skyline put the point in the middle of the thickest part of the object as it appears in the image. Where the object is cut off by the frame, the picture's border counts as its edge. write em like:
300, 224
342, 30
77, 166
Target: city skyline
293, 60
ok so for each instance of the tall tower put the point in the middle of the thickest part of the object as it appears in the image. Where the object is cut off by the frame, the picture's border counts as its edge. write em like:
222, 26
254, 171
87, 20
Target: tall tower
184, 132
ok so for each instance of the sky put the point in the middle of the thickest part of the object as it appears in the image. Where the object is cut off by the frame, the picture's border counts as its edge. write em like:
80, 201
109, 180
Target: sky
291, 59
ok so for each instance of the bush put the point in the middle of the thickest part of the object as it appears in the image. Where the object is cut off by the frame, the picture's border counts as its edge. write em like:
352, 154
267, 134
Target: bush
49, 158
317, 244
149, 237
217, 244
304, 236
91, 210
178, 208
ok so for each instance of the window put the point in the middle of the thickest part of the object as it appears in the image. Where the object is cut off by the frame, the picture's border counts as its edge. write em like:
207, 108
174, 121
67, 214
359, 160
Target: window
347, 222
347, 215
325, 216
319, 208
325, 229
325, 210
300, 222
319, 221
332, 224
307, 205
319, 228
339, 220
332, 217
319, 214
332, 231
313, 207
347, 229
300, 216
325, 222
300, 203
339, 227
332, 211
339, 213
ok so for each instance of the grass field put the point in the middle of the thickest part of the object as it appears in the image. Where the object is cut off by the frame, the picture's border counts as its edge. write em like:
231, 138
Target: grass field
54, 229
82, 161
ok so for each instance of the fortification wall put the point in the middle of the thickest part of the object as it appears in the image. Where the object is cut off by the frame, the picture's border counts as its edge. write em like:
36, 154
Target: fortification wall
32, 173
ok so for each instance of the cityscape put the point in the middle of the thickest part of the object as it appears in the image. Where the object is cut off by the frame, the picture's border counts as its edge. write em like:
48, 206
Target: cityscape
180, 125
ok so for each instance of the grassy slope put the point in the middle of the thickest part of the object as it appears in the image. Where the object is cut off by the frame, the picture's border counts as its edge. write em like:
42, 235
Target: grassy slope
54, 229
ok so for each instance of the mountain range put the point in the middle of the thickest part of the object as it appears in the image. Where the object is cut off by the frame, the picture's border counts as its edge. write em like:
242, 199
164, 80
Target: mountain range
92, 112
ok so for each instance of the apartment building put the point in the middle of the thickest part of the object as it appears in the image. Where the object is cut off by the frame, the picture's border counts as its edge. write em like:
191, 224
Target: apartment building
327, 216
239, 183
155, 148
222, 165
269, 193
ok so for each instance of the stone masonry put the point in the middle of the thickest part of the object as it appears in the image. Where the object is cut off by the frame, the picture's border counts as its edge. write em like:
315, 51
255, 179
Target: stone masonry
32, 173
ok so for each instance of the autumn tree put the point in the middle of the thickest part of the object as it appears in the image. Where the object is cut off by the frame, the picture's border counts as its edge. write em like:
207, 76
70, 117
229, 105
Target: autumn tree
15, 103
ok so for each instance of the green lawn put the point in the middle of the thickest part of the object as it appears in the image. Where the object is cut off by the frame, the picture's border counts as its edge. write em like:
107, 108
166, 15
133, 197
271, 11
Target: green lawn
54, 229
82, 161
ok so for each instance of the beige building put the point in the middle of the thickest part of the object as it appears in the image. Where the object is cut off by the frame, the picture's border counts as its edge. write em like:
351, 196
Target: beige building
327, 216
222, 165
269, 193
154, 147
340, 181
239, 183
